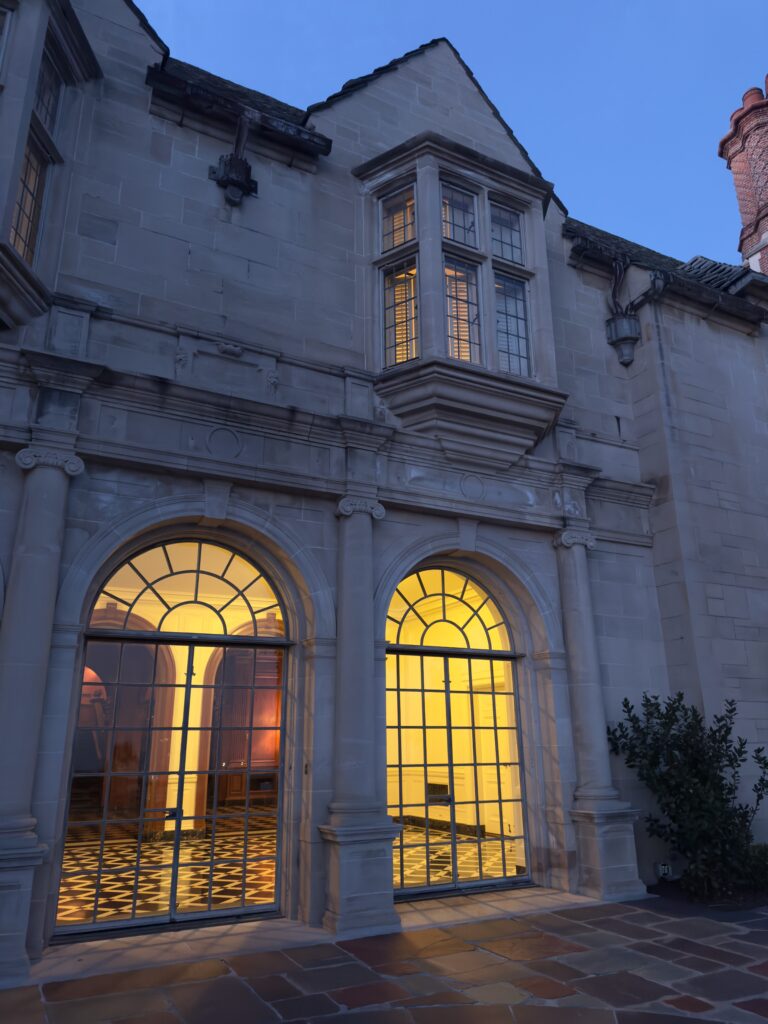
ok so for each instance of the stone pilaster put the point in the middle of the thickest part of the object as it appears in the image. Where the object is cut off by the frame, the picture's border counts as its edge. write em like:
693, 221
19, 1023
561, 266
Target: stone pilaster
604, 824
359, 833
25, 640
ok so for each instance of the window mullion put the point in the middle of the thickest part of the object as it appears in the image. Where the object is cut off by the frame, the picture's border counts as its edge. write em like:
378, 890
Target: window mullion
431, 287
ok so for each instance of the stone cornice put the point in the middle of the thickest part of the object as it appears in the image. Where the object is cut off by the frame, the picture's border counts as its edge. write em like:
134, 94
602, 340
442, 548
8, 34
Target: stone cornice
352, 504
60, 373
53, 458
445, 148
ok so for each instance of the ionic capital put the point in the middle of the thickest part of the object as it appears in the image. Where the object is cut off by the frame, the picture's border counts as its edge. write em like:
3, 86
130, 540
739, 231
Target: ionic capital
30, 458
351, 504
568, 538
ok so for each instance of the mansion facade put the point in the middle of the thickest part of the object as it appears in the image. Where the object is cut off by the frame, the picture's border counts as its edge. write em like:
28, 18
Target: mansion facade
347, 486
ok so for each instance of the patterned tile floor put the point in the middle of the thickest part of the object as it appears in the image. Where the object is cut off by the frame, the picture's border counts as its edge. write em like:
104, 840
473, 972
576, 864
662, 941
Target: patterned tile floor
202, 884
650, 962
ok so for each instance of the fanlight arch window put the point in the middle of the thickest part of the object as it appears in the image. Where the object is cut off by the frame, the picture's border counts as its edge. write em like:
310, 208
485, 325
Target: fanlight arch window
189, 587
445, 609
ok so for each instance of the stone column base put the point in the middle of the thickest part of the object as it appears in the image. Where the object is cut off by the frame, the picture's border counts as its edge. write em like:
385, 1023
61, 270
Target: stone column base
359, 898
605, 843
20, 853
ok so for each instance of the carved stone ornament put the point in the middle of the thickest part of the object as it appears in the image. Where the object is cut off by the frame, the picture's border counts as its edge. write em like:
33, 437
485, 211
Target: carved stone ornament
568, 538
349, 506
30, 458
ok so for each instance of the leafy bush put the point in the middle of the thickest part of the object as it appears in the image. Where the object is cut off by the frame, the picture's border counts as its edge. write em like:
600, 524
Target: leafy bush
694, 772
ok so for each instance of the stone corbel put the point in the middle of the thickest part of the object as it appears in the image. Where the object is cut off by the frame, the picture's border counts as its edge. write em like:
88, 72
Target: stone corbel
31, 458
233, 172
352, 504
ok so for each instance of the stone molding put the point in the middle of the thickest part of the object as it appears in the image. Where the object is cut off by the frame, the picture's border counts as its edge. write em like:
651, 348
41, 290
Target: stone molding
31, 458
350, 505
570, 537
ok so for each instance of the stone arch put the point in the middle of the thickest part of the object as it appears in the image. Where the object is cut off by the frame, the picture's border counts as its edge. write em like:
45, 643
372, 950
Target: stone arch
309, 606
535, 621
500, 570
308, 595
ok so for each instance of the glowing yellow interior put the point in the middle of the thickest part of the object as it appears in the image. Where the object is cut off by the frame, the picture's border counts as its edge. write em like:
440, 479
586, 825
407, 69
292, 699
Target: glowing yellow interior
453, 775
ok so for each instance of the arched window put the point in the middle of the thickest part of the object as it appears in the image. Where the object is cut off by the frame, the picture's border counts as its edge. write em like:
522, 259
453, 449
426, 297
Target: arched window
174, 799
190, 587
454, 775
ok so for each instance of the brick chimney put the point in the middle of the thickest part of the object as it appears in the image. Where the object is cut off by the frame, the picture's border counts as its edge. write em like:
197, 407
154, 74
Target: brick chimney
745, 148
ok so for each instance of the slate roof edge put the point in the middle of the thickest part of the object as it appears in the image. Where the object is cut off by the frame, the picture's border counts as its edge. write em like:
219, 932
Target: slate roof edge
603, 247
145, 24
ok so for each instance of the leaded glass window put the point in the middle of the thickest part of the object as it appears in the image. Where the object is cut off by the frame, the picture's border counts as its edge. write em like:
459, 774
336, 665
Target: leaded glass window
462, 310
401, 321
398, 219
506, 236
459, 216
512, 326
48, 92
29, 202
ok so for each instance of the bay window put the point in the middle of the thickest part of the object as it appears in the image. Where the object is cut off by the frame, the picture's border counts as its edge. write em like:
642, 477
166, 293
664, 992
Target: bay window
459, 261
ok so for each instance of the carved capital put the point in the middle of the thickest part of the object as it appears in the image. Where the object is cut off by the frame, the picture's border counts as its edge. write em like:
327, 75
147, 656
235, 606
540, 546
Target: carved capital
568, 538
30, 458
350, 505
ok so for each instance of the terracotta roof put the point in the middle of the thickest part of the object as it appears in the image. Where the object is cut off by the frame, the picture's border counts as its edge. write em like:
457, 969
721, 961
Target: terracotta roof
232, 91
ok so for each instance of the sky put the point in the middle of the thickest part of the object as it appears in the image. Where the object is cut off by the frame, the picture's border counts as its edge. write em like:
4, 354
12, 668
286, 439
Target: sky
621, 103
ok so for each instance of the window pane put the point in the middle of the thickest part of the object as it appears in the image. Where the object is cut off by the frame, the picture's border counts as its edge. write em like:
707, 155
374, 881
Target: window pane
398, 219
506, 238
47, 94
459, 216
462, 310
401, 326
512, 326
29, 202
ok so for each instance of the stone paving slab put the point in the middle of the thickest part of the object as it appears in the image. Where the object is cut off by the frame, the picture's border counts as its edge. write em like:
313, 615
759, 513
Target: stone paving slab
609, 964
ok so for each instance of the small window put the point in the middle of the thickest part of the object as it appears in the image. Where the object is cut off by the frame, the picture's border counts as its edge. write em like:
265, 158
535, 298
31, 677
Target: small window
506, 237
459, 216
47, 94
463, 312
512, 326
398, 219
29, 202
401, 321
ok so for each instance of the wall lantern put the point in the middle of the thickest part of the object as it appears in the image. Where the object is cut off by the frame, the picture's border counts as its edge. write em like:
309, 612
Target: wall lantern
622, 328
623, 332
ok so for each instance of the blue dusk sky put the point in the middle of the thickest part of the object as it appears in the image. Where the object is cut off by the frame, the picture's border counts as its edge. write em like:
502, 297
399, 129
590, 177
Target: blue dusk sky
621, 103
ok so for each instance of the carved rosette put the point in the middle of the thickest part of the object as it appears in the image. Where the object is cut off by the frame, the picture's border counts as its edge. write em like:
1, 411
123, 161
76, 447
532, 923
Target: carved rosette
569, 538
31, 458
350, 505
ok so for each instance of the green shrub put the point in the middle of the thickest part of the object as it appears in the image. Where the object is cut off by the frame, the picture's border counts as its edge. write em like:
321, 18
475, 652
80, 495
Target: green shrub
694, 772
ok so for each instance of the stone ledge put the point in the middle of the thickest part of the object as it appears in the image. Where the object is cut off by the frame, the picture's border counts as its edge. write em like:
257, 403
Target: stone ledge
477, 416
23, 296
